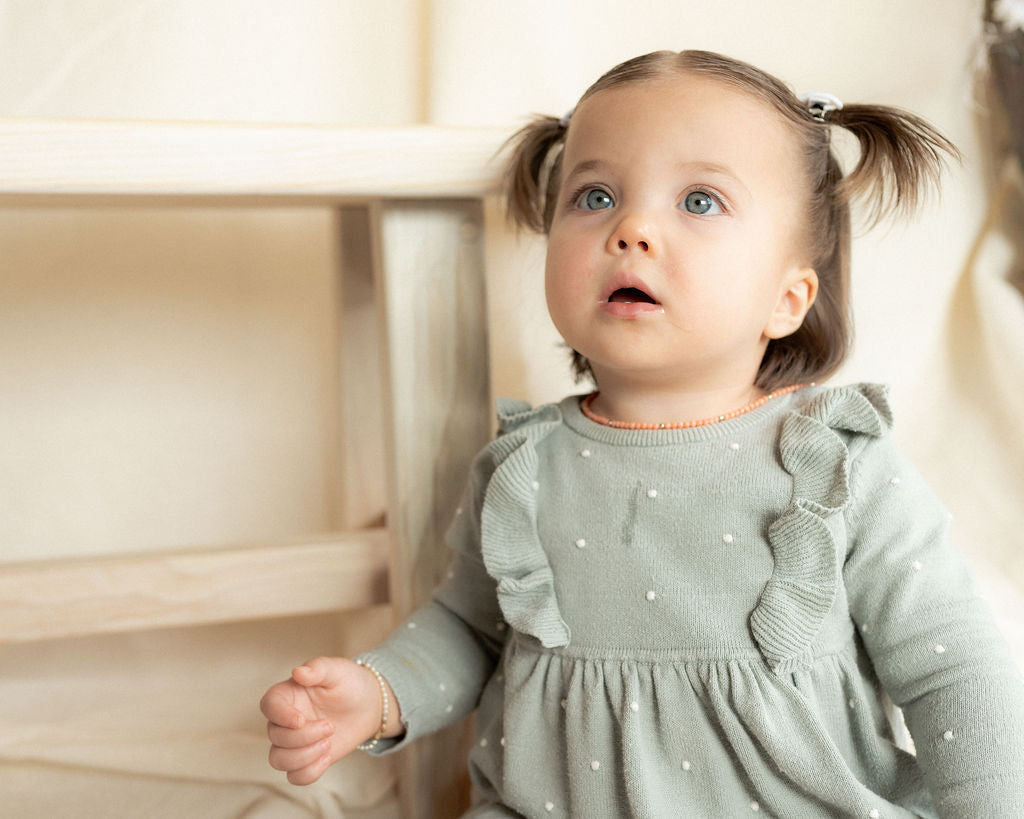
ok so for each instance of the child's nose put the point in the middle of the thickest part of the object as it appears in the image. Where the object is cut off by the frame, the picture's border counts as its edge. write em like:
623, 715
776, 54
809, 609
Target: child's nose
632, 234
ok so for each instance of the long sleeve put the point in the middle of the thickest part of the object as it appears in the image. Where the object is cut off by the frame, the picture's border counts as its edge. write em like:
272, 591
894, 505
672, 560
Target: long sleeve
438, 661
932, 640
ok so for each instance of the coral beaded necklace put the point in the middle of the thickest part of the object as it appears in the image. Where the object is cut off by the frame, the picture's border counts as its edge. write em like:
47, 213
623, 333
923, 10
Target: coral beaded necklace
703, 422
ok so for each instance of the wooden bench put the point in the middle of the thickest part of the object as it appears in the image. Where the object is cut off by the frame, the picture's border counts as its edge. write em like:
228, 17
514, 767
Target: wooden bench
409, 205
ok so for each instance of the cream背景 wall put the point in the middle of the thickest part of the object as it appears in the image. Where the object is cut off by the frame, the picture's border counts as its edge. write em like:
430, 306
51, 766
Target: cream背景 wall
167, 373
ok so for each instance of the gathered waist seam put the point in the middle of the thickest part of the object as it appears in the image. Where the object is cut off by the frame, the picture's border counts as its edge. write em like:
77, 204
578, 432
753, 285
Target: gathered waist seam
654, 656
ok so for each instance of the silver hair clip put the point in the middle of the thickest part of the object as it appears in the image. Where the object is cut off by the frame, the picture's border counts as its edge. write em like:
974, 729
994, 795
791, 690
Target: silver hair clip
821, 104
564, 121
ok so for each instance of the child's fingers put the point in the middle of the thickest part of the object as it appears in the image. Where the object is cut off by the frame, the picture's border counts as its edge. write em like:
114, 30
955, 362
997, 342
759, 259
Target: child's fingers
284, 737
278, 707
310, 773
296, 759
320, 671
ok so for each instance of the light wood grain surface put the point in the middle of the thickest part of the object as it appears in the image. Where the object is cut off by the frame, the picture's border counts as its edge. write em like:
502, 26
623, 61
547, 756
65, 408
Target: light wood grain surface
40, 157
66, 598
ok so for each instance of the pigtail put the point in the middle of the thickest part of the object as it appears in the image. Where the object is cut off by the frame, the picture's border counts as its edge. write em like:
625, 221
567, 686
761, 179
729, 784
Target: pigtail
530, 180
901, 159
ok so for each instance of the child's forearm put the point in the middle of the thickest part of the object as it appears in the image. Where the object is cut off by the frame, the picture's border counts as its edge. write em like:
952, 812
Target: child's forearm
437, 665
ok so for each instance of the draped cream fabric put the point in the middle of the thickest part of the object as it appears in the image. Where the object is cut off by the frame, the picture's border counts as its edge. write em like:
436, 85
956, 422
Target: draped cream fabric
165, 724
970, 439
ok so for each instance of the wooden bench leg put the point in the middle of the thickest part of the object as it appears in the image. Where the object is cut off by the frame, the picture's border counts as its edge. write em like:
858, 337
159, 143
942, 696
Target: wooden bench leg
437, 409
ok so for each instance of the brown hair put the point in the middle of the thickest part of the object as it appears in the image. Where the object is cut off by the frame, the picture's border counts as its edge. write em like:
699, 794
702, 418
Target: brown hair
900, 158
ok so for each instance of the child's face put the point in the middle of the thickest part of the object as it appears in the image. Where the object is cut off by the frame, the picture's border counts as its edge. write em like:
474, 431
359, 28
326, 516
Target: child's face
673, 247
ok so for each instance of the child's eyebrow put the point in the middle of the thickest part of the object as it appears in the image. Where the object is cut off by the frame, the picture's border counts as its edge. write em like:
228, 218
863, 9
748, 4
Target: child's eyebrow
586, 165
716, 169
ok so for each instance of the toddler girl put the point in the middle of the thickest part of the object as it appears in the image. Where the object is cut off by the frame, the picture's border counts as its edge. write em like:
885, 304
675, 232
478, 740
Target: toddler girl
691, 592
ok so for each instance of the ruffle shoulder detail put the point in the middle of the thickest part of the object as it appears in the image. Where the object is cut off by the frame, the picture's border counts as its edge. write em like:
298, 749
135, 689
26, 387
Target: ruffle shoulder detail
510, 545
814, 448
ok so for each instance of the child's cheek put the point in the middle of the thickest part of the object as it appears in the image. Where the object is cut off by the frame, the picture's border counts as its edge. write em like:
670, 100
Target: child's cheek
568, 260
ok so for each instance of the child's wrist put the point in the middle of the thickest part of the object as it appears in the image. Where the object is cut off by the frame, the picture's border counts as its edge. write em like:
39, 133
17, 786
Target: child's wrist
389, 724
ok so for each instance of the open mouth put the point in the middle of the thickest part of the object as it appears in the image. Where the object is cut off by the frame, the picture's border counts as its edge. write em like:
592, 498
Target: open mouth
630, 295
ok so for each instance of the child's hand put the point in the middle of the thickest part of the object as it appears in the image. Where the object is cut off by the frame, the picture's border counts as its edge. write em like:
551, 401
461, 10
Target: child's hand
327, 708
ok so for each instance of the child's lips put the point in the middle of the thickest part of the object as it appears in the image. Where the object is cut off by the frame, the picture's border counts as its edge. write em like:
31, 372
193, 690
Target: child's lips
628, 297
630, 309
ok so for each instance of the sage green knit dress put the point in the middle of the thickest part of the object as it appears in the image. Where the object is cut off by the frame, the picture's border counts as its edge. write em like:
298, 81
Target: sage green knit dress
701, 623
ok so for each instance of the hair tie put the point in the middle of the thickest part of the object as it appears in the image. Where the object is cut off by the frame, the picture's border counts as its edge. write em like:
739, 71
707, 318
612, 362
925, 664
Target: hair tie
820, 104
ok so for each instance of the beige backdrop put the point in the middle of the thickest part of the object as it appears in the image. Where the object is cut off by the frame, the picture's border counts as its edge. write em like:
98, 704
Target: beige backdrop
166, 374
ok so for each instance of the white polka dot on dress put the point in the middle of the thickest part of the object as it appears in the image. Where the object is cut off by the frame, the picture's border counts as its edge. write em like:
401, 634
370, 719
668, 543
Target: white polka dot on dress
940, 649
595, 765
916, 565
874, 814
651, 596
652, 493
686, 765
727, 538
634, 706
585, 453
734, 446
549, 806
581, 543
755, 806
947, 736
894, 481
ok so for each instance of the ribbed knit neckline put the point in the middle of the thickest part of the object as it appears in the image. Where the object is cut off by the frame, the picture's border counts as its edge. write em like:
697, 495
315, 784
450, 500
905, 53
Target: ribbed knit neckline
578, 422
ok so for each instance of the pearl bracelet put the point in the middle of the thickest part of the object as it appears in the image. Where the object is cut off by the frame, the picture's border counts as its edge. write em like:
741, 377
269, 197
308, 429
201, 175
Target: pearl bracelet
385, 708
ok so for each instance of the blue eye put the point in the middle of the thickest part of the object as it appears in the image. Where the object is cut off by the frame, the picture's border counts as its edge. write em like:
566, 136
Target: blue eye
701, 203
595, 199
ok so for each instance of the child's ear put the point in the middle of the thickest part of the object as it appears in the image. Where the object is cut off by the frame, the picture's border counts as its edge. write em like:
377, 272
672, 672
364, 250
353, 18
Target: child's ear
798, 292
